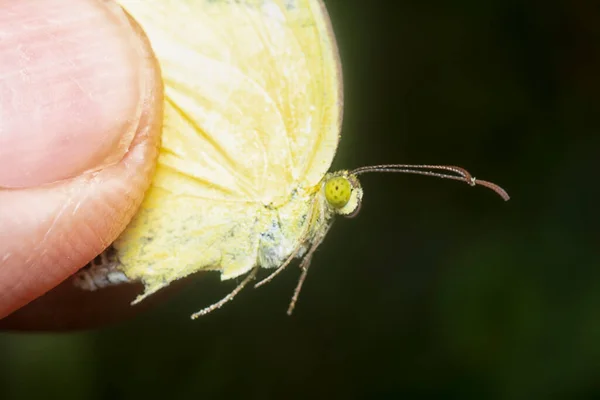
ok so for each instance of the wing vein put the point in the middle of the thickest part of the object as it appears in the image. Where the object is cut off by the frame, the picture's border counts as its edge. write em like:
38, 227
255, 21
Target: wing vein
230, 164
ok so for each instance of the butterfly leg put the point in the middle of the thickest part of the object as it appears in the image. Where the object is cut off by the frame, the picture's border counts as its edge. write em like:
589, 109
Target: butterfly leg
101, 272
304, 266
277, 271
230, 296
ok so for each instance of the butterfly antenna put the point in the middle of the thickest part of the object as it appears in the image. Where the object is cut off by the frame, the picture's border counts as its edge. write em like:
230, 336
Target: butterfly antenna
229, 297
455, 173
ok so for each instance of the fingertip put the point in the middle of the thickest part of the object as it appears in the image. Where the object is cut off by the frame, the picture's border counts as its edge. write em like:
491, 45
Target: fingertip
48, 232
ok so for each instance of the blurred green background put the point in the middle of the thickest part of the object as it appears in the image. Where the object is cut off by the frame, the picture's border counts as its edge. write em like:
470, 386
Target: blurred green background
436, 290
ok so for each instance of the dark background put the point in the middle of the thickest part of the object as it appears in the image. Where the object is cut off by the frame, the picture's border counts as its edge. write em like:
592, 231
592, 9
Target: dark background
436, 290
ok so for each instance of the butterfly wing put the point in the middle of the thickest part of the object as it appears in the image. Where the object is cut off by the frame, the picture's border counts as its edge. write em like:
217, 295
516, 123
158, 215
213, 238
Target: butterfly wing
253, 110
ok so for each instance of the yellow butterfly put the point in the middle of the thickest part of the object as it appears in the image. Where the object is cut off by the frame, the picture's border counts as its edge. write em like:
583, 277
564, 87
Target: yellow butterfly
252, 121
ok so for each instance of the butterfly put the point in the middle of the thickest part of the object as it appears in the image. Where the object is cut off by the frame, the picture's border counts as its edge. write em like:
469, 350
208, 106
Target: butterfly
253, 111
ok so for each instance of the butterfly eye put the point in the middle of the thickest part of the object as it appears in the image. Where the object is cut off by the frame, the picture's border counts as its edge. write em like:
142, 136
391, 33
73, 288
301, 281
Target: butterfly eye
338, 191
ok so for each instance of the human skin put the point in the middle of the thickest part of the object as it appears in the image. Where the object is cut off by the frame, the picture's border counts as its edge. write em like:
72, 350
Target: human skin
80, 121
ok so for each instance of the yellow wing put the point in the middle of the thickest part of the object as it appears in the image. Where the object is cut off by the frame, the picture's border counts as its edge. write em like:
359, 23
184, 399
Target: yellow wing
253, 111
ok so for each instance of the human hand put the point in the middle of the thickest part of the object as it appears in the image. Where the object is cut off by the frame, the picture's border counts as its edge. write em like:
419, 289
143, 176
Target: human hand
80, 120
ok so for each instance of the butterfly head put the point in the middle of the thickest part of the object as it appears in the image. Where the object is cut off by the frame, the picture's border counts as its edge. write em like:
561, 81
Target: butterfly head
343, 193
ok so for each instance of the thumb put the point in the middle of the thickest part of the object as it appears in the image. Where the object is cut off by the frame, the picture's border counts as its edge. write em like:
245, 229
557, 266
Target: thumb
80, 120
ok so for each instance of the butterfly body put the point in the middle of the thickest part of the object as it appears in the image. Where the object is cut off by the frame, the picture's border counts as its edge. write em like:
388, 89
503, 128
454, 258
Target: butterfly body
252, 117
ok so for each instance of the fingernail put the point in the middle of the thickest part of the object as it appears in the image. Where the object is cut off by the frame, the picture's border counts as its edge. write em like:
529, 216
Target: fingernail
69, 89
